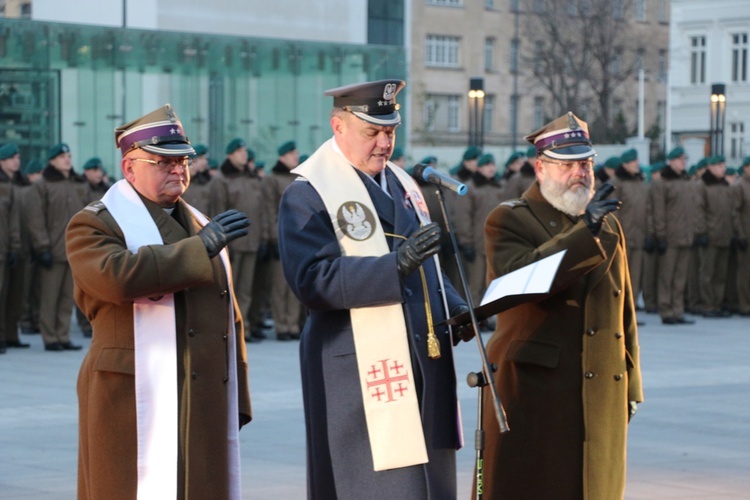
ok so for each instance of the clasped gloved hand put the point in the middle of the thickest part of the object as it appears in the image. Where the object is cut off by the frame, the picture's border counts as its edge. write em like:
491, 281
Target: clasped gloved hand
700, 240
470, 253
45, 259
420, 246
599, 207
661, 246
649, 244
225, 227
465, 331
742, 244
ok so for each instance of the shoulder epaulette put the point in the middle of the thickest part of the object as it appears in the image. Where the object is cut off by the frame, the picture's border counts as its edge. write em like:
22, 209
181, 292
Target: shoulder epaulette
516, 202
95, 206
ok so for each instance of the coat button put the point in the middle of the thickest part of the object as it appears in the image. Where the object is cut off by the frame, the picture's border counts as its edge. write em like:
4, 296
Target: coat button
589, 375
194, 375
191, 333
618, 335
617, 293
223, 293
590, 332
408, 292
553, 223
618, 377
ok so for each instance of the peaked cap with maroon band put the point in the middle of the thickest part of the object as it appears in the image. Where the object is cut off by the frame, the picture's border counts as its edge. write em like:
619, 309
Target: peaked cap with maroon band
565, 138
159, 132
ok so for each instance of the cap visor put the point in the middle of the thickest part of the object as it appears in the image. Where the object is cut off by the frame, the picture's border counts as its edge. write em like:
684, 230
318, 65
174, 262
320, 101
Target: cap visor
578, 152
388, 120
175, 149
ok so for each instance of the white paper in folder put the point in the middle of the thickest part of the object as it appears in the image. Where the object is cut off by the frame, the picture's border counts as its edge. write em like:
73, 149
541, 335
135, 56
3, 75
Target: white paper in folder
532, 279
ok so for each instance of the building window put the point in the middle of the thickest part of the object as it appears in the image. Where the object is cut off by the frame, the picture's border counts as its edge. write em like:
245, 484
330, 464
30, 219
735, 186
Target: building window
514, 55
538, 112
662, 11
539, 7
736, 138
739, 57
489, 112
489, 54
618, 10
697, 59
572, 8
640, 59
385, 22
514, 5
449, 3
538, 57
662, 65
640, 10
442, 51
489, 4
454, 125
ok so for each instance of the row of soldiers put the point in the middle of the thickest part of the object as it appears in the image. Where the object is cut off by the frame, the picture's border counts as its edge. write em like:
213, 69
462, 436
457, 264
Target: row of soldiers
686, 228
36, 203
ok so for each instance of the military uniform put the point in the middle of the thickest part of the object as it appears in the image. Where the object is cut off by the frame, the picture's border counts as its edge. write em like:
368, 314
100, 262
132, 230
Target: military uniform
52, 203
285, 307
10, 248
241, 190
672, 198
741, 221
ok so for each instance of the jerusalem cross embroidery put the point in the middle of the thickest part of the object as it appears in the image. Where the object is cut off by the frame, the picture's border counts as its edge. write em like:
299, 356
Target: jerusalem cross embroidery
387, 380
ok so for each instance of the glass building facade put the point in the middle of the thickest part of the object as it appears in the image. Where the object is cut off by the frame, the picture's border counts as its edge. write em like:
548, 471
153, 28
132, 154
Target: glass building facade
76, 83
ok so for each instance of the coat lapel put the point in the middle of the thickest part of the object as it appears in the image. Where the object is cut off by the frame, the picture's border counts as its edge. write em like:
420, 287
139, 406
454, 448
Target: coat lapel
171, 231
382, 202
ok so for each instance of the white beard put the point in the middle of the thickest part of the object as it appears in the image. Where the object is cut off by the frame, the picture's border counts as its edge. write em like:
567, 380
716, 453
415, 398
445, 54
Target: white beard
569, 201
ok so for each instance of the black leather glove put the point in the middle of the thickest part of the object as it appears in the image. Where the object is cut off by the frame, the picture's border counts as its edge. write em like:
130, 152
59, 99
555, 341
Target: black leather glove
263, 252
45, 259
420, 246
599, 207
700, 240
742, 244
225, 227
470, 253
649, 244
661, 246
11, 259
465, 331
273, 251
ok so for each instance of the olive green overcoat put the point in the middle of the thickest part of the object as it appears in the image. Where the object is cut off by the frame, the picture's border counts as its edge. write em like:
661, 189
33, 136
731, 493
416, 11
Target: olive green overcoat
567, 364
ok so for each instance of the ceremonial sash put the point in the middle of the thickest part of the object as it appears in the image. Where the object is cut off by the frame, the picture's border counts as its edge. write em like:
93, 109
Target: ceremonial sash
154, 328
380, 338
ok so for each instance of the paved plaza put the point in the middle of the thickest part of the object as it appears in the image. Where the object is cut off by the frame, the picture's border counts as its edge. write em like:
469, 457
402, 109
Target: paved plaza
690, 439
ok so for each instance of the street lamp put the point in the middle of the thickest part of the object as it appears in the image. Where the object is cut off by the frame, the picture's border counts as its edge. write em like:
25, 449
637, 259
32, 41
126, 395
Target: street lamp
476, 112
718, 104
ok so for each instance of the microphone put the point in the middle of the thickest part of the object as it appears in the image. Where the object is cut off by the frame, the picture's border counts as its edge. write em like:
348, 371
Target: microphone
437, 178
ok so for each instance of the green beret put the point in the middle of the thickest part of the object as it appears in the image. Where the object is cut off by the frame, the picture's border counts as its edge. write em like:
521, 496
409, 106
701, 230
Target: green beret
731, 171
33, 167
513, 157
716, 159
613, 162
485, 159
286, 147
92, 163
657, 167
745, 161
472, 153
200, 150
250, 154
676, 153
398, 153
8, 151
260, 165
702, 163
629, 155
429, 160
234, 145
213, 164
531, 152
303, 158
57, 150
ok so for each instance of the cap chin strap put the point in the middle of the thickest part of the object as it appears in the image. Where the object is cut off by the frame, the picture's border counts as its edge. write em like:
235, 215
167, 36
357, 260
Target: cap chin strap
372, 119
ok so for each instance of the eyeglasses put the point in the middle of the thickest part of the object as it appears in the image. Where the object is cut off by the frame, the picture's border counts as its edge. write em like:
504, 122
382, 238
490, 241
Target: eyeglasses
167, 165
567, 166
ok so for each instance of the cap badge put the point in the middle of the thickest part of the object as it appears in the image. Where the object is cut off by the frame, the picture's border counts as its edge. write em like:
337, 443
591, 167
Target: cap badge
170, 112
572, 123
355, 220
390, 91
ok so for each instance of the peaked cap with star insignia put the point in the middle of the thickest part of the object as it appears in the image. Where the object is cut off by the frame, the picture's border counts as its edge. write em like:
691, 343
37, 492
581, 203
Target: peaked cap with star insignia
565, 138
373, 102
159, 132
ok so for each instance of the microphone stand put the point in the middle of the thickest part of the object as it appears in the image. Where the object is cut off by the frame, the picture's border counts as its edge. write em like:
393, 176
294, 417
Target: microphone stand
484, 378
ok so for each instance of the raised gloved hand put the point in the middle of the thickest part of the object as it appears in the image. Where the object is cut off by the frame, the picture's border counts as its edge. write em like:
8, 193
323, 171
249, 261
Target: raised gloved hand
700, 240
661, 246
420, 246
470, 253
465, 331
225, 227
45, 259
599, 207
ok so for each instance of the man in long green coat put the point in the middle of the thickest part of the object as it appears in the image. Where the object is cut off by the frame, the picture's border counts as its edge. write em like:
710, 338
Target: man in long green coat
568, 370
163, 390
